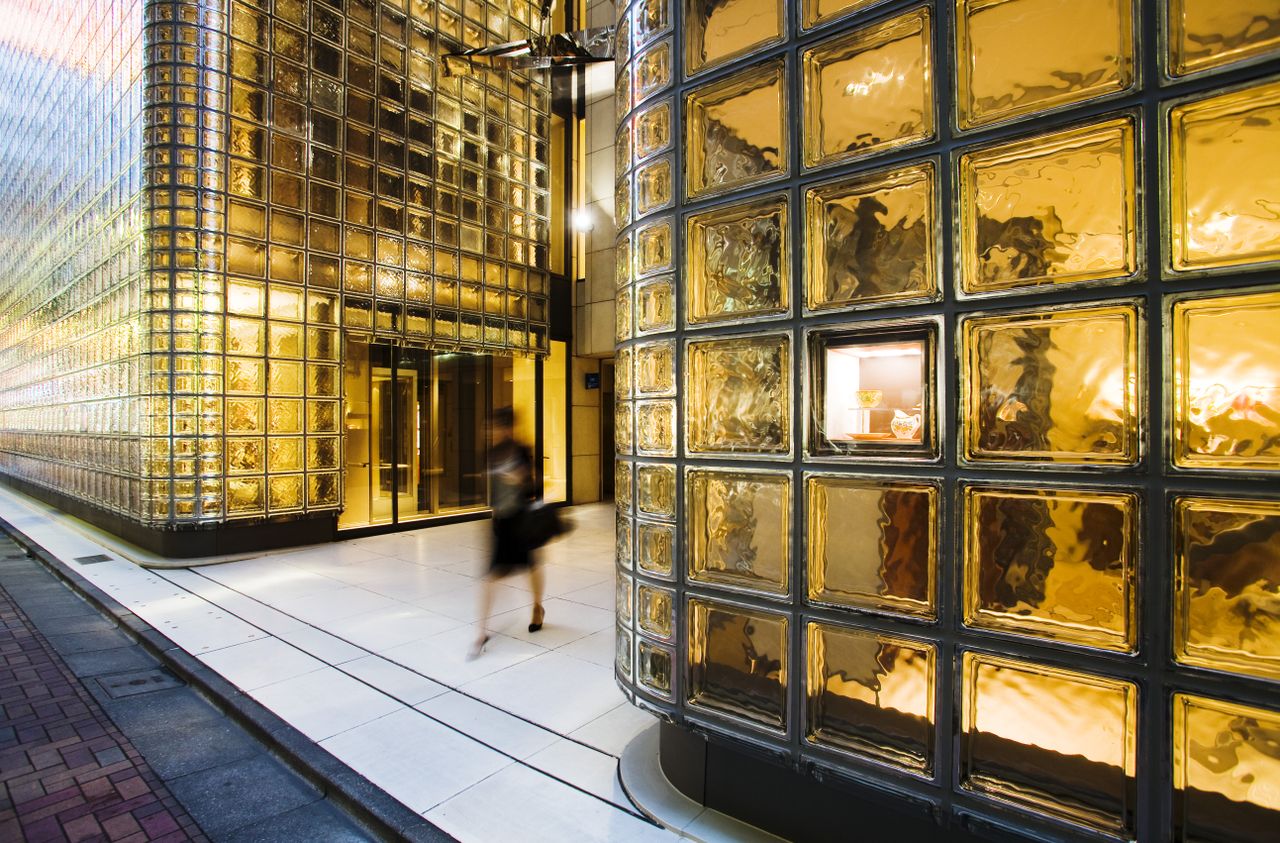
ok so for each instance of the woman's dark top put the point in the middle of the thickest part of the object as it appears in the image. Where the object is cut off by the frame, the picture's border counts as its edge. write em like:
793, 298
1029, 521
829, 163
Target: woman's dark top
511, 489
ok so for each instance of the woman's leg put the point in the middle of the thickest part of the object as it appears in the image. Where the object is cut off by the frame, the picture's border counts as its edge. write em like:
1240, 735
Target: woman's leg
536, 583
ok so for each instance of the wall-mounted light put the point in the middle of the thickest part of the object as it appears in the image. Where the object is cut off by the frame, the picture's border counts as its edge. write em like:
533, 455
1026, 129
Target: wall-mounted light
582, 220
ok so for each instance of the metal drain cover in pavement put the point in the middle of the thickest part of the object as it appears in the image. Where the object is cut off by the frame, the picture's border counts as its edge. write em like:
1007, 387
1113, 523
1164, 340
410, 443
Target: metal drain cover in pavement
94, 559
136, 682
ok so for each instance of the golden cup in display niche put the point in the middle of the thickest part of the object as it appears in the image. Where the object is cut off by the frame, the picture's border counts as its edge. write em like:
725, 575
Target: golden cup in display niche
868, 398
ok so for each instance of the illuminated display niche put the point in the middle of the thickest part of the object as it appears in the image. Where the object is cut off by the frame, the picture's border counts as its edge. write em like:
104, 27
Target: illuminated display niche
949, 459
245, 186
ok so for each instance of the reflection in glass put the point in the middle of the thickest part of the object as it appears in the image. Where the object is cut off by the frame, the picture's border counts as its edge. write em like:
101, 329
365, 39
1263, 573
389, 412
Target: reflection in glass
1052, 209
1226, 382
622, 652
1054, 563
622, 315
1053, 386
655, 610
653, 188
653, 248
1222, 182
873, 544
1204, 34
656, 428
623, 541
734, 129
623, 432
738, 663
739, 529
821, 11
717, 30
869, 90
652, 71
872, 695
738, 395
622, 486
655, 307
1016, 57
872, 238
1227, 585
737, 261
653, 667
1049, 740
624, 599
652, 130
656, 490
655, 548
655, 367
1225, 766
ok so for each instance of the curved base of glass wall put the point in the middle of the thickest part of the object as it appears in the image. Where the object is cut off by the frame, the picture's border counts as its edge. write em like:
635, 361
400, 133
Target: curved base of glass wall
190, 543
711, 789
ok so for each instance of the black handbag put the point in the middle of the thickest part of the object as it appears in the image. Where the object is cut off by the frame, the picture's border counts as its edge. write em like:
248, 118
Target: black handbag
541, 524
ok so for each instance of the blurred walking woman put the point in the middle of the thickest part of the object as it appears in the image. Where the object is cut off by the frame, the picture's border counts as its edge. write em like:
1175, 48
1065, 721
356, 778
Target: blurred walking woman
510, 491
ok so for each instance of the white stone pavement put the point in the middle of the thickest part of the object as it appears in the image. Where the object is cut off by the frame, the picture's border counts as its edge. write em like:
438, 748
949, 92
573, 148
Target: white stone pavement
362, 644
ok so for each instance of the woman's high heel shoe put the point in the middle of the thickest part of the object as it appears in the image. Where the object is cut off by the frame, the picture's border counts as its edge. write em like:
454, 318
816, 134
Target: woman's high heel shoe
538, 615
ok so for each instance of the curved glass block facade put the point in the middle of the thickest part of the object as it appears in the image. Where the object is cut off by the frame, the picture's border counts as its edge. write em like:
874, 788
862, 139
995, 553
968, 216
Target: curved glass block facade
949, 400
204, 199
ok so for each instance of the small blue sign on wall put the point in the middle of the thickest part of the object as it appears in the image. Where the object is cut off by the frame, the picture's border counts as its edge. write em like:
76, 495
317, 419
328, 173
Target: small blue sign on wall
593, 380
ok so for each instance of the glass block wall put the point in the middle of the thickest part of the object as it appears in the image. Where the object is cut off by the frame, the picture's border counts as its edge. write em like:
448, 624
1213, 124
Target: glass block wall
267, 175
949, 400
73, 364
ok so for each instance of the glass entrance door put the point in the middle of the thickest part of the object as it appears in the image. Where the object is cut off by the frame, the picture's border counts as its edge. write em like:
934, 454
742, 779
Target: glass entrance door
416, 432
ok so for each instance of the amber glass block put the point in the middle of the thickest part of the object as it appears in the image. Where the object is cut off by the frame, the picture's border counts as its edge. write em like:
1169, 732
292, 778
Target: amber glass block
622, 373
872, 239
871, 695
653, 188
655, 549
623, 427
739, 529
1052, 209
1226, 382
821, 11
653, 667
1205, 34
656, 428
873, 544
622, 656
654, 248
737, 262
717, 30
738, 395
622, 486
622, 212
1222, 179
1053, 563
652, 71
656, 490
652, 130
1056, 386
1227, 585
655, 307
624, 599
1017, 57
1225, 767
869, 91
1052, 741
655, 610
655, 368
738, 663
622, 315
735, 132
623, 541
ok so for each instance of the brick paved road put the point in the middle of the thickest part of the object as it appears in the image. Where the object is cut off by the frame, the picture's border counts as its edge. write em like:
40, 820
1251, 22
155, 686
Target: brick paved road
67, 773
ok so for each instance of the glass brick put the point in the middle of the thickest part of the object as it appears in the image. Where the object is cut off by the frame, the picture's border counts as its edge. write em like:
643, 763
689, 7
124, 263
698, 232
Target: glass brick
655, 549
871, 695
869, 91
738, 395
716, 31
1208, 34
739, 529
735, 133
738, 262
738, 663
656, 490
